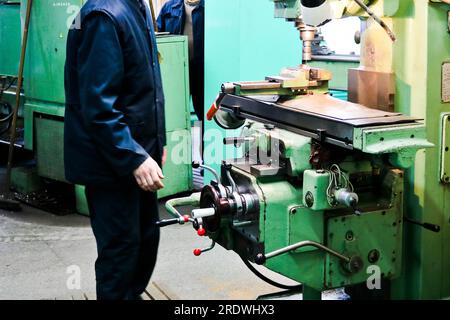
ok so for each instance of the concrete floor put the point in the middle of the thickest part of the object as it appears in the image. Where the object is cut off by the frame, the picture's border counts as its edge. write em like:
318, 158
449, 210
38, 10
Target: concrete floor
36, 248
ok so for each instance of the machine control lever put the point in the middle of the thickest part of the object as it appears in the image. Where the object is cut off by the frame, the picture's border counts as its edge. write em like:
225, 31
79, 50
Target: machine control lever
261, 258
169, 222
197, 165
198, 251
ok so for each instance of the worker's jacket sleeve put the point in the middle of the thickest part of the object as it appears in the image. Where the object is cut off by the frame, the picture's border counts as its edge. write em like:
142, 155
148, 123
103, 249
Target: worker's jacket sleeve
100, 75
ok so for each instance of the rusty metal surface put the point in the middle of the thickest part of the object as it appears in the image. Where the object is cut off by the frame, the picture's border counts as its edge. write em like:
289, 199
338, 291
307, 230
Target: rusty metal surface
253, 85
343, 111
372, 89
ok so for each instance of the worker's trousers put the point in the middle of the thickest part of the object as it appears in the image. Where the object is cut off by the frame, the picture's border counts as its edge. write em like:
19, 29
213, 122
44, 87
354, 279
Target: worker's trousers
123, 219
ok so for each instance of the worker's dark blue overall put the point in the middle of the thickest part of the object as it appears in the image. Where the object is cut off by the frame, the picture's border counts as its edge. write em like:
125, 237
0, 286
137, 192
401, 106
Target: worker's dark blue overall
172, 19
114, 120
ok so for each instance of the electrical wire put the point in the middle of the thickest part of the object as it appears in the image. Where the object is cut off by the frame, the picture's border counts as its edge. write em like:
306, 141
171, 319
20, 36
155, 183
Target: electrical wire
9, 107
338, 180
298, 287
8, 117
377, 19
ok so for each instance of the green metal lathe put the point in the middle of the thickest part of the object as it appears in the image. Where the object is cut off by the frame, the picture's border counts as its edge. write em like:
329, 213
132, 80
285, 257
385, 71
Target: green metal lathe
43, 109
339, 194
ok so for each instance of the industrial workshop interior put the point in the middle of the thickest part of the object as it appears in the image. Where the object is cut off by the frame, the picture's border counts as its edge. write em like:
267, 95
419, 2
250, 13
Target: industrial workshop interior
262, 151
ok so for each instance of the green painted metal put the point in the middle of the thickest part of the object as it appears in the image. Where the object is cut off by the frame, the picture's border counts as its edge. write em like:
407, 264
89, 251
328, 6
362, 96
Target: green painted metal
416, 259
50, 148
285, 218
33, 109
360, 235
178, 170
174, 58
423, 24
175, 73
26, 180
315, 184
402, 142
178, 173
46, 50
284, 221
172, 204
80, 199
10, 34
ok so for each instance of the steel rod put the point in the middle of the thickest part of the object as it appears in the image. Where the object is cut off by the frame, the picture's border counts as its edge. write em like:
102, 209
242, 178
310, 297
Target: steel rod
306, 244
18, 90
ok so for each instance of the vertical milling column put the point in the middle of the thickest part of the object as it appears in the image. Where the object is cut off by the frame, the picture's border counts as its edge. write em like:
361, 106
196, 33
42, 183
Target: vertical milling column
307, 34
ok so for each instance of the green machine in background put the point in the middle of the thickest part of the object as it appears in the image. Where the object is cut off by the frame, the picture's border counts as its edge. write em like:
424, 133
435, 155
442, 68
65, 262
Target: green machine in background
43, 111
10, 34
333, 194
9, 58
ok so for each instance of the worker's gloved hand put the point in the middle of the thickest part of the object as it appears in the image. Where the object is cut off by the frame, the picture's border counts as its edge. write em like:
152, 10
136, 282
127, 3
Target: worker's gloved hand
149, 176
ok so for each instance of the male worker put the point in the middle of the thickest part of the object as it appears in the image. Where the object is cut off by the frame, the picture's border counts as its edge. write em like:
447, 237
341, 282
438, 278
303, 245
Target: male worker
115, 137
187, 17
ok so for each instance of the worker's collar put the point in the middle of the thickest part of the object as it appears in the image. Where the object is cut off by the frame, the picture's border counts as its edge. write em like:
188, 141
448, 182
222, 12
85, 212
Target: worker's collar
180, 3
192, 3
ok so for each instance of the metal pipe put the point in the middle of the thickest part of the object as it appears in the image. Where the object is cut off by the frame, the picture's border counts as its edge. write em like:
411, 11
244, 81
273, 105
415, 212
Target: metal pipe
377, 19
233, 184
192, 200
12, 141
215, 174
261, 259
211, 246
152, 9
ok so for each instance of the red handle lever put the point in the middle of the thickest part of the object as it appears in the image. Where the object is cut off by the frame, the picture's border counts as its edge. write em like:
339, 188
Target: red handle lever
201, 232
212, 112
197, 252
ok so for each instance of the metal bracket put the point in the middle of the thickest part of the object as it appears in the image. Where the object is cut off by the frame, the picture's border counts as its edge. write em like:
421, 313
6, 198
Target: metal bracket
445, 149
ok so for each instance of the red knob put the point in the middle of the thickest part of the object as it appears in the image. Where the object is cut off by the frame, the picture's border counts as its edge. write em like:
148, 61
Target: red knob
212, 112
186, 218
197, 252
201, 232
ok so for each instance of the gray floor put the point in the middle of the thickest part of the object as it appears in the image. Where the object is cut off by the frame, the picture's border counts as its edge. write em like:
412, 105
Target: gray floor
36, 248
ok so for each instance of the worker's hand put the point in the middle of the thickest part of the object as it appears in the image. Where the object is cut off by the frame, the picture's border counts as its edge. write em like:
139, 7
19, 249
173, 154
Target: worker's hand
149, 176
164, 157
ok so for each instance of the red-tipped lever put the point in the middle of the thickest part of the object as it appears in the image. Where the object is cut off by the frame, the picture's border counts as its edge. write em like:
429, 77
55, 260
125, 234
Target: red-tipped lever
201, 232
186, 218
197, 252
212, 112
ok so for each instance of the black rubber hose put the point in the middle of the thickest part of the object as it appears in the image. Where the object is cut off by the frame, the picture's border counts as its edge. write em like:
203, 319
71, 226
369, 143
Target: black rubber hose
298, 287
7, 119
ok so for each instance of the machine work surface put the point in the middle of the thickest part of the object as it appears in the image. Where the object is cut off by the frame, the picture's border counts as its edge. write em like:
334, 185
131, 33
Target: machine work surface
325, 105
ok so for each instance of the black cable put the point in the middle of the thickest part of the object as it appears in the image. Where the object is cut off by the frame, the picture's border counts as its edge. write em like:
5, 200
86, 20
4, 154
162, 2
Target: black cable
10, 113
298, 287
9, 117
10, 84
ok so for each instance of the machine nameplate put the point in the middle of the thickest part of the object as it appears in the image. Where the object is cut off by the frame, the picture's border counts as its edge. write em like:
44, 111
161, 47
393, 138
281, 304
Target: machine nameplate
446, 82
